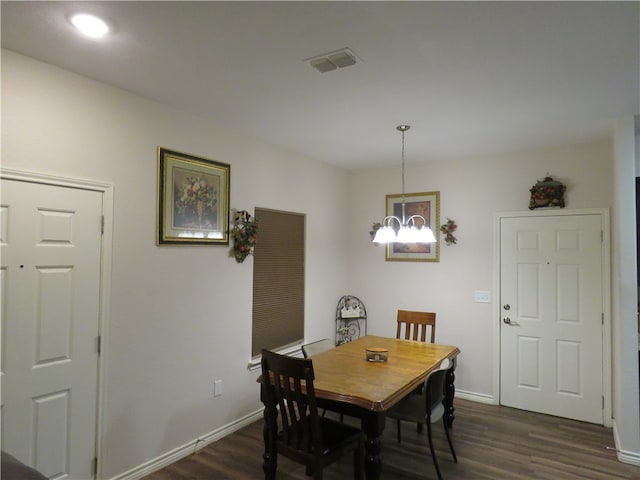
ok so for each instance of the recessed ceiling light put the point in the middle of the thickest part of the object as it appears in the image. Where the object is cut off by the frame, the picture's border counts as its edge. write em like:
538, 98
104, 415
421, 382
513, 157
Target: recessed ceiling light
90, 25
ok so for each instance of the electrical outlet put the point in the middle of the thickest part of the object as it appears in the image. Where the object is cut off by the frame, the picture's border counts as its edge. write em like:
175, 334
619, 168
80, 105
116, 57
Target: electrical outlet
217, 388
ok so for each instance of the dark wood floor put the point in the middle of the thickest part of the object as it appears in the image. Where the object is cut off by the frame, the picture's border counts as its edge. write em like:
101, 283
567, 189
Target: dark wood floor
492, 442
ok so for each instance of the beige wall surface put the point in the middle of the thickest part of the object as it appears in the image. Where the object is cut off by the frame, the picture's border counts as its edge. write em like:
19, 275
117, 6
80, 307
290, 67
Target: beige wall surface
625, 294
471, 191
180, 317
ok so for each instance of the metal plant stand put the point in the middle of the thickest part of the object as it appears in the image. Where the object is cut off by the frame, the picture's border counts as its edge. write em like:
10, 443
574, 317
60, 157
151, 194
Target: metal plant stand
351, 319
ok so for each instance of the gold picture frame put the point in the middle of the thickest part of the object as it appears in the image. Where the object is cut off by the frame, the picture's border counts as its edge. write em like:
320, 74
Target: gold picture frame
426, 204
193, 200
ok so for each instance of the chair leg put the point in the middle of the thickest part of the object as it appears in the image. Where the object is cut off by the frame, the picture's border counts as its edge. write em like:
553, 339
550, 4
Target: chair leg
433, 451
317, 474
270, 455
358, 460
271, 468
446, 431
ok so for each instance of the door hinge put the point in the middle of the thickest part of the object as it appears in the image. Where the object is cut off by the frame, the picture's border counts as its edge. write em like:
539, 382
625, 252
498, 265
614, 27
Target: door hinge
95, 466
602, 317
603, 402
102, 225
601, 236
99, 344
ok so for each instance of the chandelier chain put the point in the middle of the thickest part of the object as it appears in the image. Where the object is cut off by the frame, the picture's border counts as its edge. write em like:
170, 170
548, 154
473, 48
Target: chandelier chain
403, 166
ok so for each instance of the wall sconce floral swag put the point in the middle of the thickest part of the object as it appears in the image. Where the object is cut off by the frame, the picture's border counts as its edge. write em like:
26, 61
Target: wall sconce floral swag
244, 233
447, 229
374, 228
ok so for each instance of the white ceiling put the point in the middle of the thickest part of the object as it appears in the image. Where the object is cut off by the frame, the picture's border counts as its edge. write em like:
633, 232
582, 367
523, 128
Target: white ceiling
471, 78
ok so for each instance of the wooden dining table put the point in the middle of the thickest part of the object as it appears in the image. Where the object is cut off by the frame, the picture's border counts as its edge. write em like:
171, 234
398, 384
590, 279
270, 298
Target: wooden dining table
346, 382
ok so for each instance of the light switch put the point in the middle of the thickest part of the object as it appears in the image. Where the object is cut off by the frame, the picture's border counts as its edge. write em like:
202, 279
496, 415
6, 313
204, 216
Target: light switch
482, 296
217, 388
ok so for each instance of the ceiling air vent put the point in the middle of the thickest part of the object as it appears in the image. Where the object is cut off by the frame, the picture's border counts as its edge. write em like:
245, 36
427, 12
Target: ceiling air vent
332, 60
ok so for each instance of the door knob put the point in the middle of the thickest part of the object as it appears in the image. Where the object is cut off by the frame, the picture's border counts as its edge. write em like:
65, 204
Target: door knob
507, 307
507, 320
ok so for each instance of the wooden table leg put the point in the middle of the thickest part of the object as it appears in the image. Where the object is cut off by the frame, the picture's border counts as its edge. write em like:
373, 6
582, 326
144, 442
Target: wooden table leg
372, 426
449, 393
269, 457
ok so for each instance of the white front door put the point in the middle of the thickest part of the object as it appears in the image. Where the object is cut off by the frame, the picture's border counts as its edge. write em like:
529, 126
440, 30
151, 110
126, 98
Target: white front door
551, 306
50, 252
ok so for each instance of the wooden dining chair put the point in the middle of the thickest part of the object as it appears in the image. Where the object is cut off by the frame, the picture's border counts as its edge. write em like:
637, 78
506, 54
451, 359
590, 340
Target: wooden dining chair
415, 325
427, 409
313, 348
294, 428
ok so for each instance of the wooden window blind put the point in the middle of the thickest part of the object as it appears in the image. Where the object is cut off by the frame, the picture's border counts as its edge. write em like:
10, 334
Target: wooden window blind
278, 280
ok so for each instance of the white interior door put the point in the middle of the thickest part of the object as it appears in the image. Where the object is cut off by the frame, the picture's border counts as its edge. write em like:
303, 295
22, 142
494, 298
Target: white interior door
551, 294
50, 253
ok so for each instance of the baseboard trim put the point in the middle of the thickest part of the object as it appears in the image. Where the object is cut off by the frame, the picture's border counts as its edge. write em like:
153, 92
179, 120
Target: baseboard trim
476, 397
632, 458
187, 449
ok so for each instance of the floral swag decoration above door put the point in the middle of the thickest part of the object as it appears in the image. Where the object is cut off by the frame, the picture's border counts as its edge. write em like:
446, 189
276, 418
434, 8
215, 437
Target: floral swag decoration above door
547, 193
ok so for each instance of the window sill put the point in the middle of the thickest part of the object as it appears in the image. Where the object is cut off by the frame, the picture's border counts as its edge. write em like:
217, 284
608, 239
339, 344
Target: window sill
294, 350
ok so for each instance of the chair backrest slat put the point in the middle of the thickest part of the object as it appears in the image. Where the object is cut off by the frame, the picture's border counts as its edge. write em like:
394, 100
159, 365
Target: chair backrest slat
291, 402
416, 325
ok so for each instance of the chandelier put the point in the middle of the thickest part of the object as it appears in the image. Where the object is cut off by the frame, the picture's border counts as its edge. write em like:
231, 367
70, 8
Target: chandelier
393, 229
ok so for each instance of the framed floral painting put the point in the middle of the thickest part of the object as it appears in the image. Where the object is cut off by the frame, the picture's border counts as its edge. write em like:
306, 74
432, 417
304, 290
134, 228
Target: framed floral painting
427, 205
193, 200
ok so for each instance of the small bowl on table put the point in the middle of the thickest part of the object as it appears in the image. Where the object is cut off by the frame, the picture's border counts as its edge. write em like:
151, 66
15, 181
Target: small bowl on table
376, 354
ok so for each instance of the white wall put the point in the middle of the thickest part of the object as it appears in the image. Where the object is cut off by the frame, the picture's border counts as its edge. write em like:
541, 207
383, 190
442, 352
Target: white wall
471, 190
626, 404
180, 317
